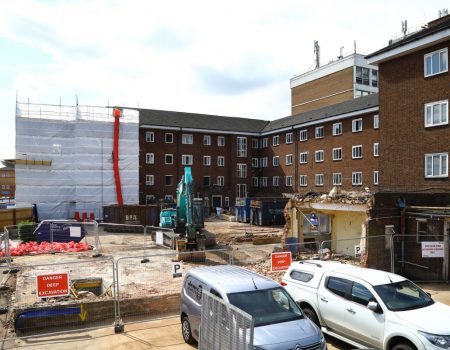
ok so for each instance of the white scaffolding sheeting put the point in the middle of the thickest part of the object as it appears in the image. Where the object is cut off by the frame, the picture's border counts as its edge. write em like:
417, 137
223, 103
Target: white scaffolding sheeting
79, 143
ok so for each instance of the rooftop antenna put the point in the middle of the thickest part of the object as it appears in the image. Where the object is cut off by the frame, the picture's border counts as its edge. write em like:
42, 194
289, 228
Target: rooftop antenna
341, 50
404, 27
317, 53
354, 46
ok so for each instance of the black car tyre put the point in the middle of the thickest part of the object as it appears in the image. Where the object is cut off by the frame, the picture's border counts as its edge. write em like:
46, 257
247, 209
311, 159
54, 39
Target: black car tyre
311, 315
186, 330
404, 346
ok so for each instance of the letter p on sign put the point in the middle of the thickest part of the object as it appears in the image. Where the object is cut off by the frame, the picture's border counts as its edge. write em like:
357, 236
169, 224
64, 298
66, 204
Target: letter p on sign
177, 269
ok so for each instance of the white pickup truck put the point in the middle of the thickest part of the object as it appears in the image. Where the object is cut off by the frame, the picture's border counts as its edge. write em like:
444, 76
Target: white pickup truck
368, 308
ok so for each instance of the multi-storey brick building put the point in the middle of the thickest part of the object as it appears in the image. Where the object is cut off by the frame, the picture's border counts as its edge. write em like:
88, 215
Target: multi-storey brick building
7, 182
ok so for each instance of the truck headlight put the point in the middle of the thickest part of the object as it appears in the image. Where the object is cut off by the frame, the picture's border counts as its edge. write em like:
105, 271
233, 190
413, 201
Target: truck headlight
442, 341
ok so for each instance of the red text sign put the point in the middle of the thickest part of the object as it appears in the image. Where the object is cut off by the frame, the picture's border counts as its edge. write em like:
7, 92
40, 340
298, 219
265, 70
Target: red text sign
281, 261
52, 285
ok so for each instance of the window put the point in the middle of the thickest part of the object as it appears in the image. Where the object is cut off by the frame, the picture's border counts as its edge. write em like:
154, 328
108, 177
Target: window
150, 158
375, 177
149, 198
337, 153
242, 170
303, 157
254, 181
288, 181
254, 162
168, 180
361, 295
376, 121
187, 139
376, 149
319, 179
241, 146
207, 140
303, 135
319, 156
149, 136
337, 286
168, 137
220, 161
275, 140
168, 158
227, 202
186, 159
358, 75
337, 179
357, 151
263, 181
289, 138
206, 180
289, 159
301, 276
436, 165
276, 161
241, 190
276, 181
436, 113
422, 230
220, 180
303, 180
356, 125
264, 142
220, 141
337, 129
357, 178
374, 77
365, 76
436, 62
255, 143
263, 162
168, 198
319, 132
149, 180
207, 160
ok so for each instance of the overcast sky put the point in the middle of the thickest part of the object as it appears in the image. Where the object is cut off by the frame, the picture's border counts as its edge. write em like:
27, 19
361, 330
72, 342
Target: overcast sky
231, 58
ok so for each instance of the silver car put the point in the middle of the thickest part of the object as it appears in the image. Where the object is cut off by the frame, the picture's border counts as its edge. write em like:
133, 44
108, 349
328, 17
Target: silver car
279, 323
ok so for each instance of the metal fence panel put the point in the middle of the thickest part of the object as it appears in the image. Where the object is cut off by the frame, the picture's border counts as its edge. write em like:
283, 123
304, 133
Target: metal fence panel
224, 326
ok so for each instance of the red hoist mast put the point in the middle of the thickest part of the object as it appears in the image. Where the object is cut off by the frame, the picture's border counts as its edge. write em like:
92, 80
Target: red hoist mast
117, 115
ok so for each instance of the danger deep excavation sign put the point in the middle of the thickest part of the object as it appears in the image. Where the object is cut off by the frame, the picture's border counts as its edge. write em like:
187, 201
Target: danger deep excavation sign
52, 285
281, 261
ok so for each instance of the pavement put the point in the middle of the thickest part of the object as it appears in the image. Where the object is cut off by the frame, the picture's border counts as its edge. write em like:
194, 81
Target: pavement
159, 334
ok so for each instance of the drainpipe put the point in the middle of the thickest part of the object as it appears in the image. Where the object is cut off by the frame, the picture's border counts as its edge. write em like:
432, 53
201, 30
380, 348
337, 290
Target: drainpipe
117, 115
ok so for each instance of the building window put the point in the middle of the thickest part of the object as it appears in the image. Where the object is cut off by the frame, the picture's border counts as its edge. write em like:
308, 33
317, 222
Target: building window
149, 180
206, 180
436, 62
436, 165
276, 181
303, 135
255, 162
337, 129
263, 162
375, 177
264, 142
220, 141
303, 180
356, 125
254, 181
241, 146
149, 136
242, 170
276, 161
207, 160
362, 75
186, 159
168, 158
319, 132
374, 77
149, 199
255, 143
220, 161
319, 156
150, 158
168, 198
357, 152
288, 181
241, 190
207, 140
263, 181
436, 113
357, 178
227, 202
187, 139
289, 159
319, 180
376, 149
275, 140
168, 137
168, 180
337, 153
337, 179
220, 180
376, 121
303, 157
289, 137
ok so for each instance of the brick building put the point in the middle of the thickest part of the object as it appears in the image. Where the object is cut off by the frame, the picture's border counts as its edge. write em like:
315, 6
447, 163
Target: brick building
7, 182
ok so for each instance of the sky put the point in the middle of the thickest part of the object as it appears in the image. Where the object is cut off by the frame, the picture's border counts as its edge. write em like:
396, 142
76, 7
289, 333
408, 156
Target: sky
231, 58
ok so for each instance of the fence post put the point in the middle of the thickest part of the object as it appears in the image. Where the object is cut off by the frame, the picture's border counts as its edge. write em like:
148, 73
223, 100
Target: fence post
118, 324
97, 240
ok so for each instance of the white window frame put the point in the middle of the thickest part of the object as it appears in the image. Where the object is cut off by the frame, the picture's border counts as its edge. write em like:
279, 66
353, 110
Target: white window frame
207, 160
376, 177
241, 190
149, 158
289, 181
354, 150
255, 162
289, 159
357, 178
376, 149
187, 159
264, 142
149, 136
206, 140
187, 139
255, 181
337, 129
320, 132
319, 180
276, 161
255, 143
337, 179
338, 149
220, 180
227, 202
376, 121
241, 146
357, 125
165, 159
221, 141
431, 54
241, 170
303, 180
319, 156
303, 135
165, 137
289, 138
443, 159
444, 116
220, 161
150, 180
276, 140
149, 198
263, 182
303, 157
275, 181
263, 162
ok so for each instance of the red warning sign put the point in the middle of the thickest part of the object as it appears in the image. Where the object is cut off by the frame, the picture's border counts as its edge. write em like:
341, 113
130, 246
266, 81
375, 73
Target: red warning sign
281, 261
52, 285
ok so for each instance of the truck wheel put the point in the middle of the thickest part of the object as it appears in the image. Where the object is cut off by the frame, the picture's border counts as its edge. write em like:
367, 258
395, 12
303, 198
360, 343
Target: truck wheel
186, 331
309, 312
404, 346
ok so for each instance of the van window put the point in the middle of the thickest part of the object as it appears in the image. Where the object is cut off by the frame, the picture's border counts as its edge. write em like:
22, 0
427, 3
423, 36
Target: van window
337, 286
216, 293
194, 289
301, 276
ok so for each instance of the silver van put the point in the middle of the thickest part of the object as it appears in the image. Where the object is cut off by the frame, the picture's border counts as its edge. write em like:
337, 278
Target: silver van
279, 323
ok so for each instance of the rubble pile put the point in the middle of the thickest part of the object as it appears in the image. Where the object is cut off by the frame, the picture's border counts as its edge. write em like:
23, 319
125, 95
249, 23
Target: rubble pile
335, 196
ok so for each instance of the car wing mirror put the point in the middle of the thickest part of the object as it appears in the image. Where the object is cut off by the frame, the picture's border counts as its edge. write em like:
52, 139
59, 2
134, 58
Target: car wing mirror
374, 306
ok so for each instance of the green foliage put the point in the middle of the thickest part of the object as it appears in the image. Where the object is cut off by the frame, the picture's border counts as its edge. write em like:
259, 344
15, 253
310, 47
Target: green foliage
26, 229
